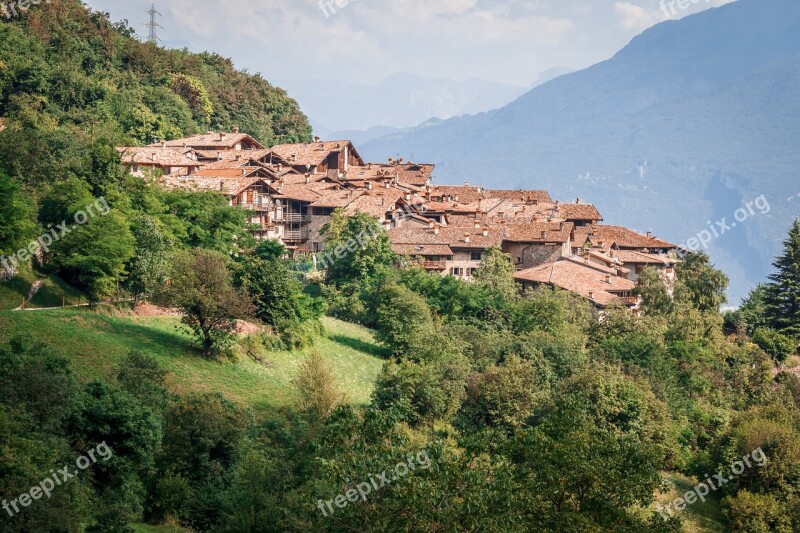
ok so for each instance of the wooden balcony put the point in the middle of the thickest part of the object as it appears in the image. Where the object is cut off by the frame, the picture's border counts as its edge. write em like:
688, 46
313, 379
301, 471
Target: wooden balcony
292, 217
295, 236
258, 206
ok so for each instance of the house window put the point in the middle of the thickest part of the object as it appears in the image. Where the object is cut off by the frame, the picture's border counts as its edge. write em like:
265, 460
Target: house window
323, 211
471, 272
457, 271
476, 256
316, 247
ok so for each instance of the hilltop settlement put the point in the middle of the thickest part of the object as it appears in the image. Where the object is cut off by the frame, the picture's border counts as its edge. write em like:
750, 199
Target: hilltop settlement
291, 191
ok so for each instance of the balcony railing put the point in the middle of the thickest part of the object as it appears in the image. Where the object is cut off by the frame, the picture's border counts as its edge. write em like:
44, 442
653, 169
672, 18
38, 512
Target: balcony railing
258, 206
292, 217
294, 236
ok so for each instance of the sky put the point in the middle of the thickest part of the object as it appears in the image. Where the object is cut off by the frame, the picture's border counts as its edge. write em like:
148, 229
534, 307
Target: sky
365, 41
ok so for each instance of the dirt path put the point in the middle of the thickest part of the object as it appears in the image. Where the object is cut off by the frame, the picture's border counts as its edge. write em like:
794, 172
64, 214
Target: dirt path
35, 288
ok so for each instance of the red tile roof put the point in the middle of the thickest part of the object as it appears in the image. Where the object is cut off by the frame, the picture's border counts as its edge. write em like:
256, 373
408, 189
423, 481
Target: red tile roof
313, 153
212, 140
155, 156
580, 279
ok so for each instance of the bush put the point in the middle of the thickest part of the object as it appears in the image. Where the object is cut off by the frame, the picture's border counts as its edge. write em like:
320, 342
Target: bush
776, 345
756, 513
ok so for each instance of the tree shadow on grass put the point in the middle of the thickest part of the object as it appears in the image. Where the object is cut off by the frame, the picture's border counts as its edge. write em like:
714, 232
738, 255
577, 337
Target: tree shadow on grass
143, 337
362, 346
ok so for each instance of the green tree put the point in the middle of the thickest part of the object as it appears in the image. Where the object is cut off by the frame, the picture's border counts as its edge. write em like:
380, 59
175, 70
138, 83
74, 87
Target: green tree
403, 320
757, 513
203, 440
652, 289
422, 392
200, 284
17, 226
506, 395
148, 268
782, 299
269, 250
317, 386
278, 297
700, 283
93, 256
195, 95
496, 273
356, 248
779, 347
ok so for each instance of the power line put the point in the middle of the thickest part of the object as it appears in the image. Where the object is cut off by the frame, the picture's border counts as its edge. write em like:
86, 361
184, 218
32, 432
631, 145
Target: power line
153, 25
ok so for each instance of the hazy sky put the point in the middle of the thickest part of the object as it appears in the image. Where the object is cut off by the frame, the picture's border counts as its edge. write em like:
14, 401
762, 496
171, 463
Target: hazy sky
367, 40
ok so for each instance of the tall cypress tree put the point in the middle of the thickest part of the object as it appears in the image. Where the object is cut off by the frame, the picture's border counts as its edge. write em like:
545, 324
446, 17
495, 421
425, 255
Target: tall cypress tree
783, 293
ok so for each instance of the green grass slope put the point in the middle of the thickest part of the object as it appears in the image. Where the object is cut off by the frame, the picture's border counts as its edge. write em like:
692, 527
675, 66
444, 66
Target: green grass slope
52, 292
95, 343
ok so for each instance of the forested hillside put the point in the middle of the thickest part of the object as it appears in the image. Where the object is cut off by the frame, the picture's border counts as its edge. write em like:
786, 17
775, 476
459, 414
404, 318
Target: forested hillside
253, 392
73, 85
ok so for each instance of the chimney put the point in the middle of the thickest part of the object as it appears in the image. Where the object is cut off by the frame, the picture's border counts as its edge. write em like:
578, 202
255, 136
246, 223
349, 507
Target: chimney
294, 158
436, 230
649, 234
591, 295
221, 185
387, 185
431, 224
238, 157
163, 144
485, 232
577, 200
408, 197
236, 129
535, 201
316, 138
369, 186
466, 237
221, 136
544, 234
608, 279
280, 167
466, 184
308, 179
153, 156
383, 200
219, 156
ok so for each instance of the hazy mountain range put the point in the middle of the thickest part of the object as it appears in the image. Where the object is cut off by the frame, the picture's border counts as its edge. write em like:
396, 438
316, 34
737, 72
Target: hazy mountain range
341, 109
676, 131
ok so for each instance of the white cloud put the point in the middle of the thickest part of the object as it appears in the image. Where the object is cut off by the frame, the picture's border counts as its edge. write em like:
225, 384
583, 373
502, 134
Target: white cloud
633, 17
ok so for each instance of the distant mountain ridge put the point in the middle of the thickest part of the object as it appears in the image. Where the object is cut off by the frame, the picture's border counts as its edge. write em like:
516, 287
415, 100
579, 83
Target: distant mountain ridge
400, 101
674, 132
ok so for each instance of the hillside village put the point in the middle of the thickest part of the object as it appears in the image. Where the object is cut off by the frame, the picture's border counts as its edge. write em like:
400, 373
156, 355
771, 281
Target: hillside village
292, 190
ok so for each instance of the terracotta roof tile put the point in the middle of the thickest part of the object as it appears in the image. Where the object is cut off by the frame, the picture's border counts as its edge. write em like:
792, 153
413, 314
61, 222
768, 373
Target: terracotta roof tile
580, 279
155, 156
